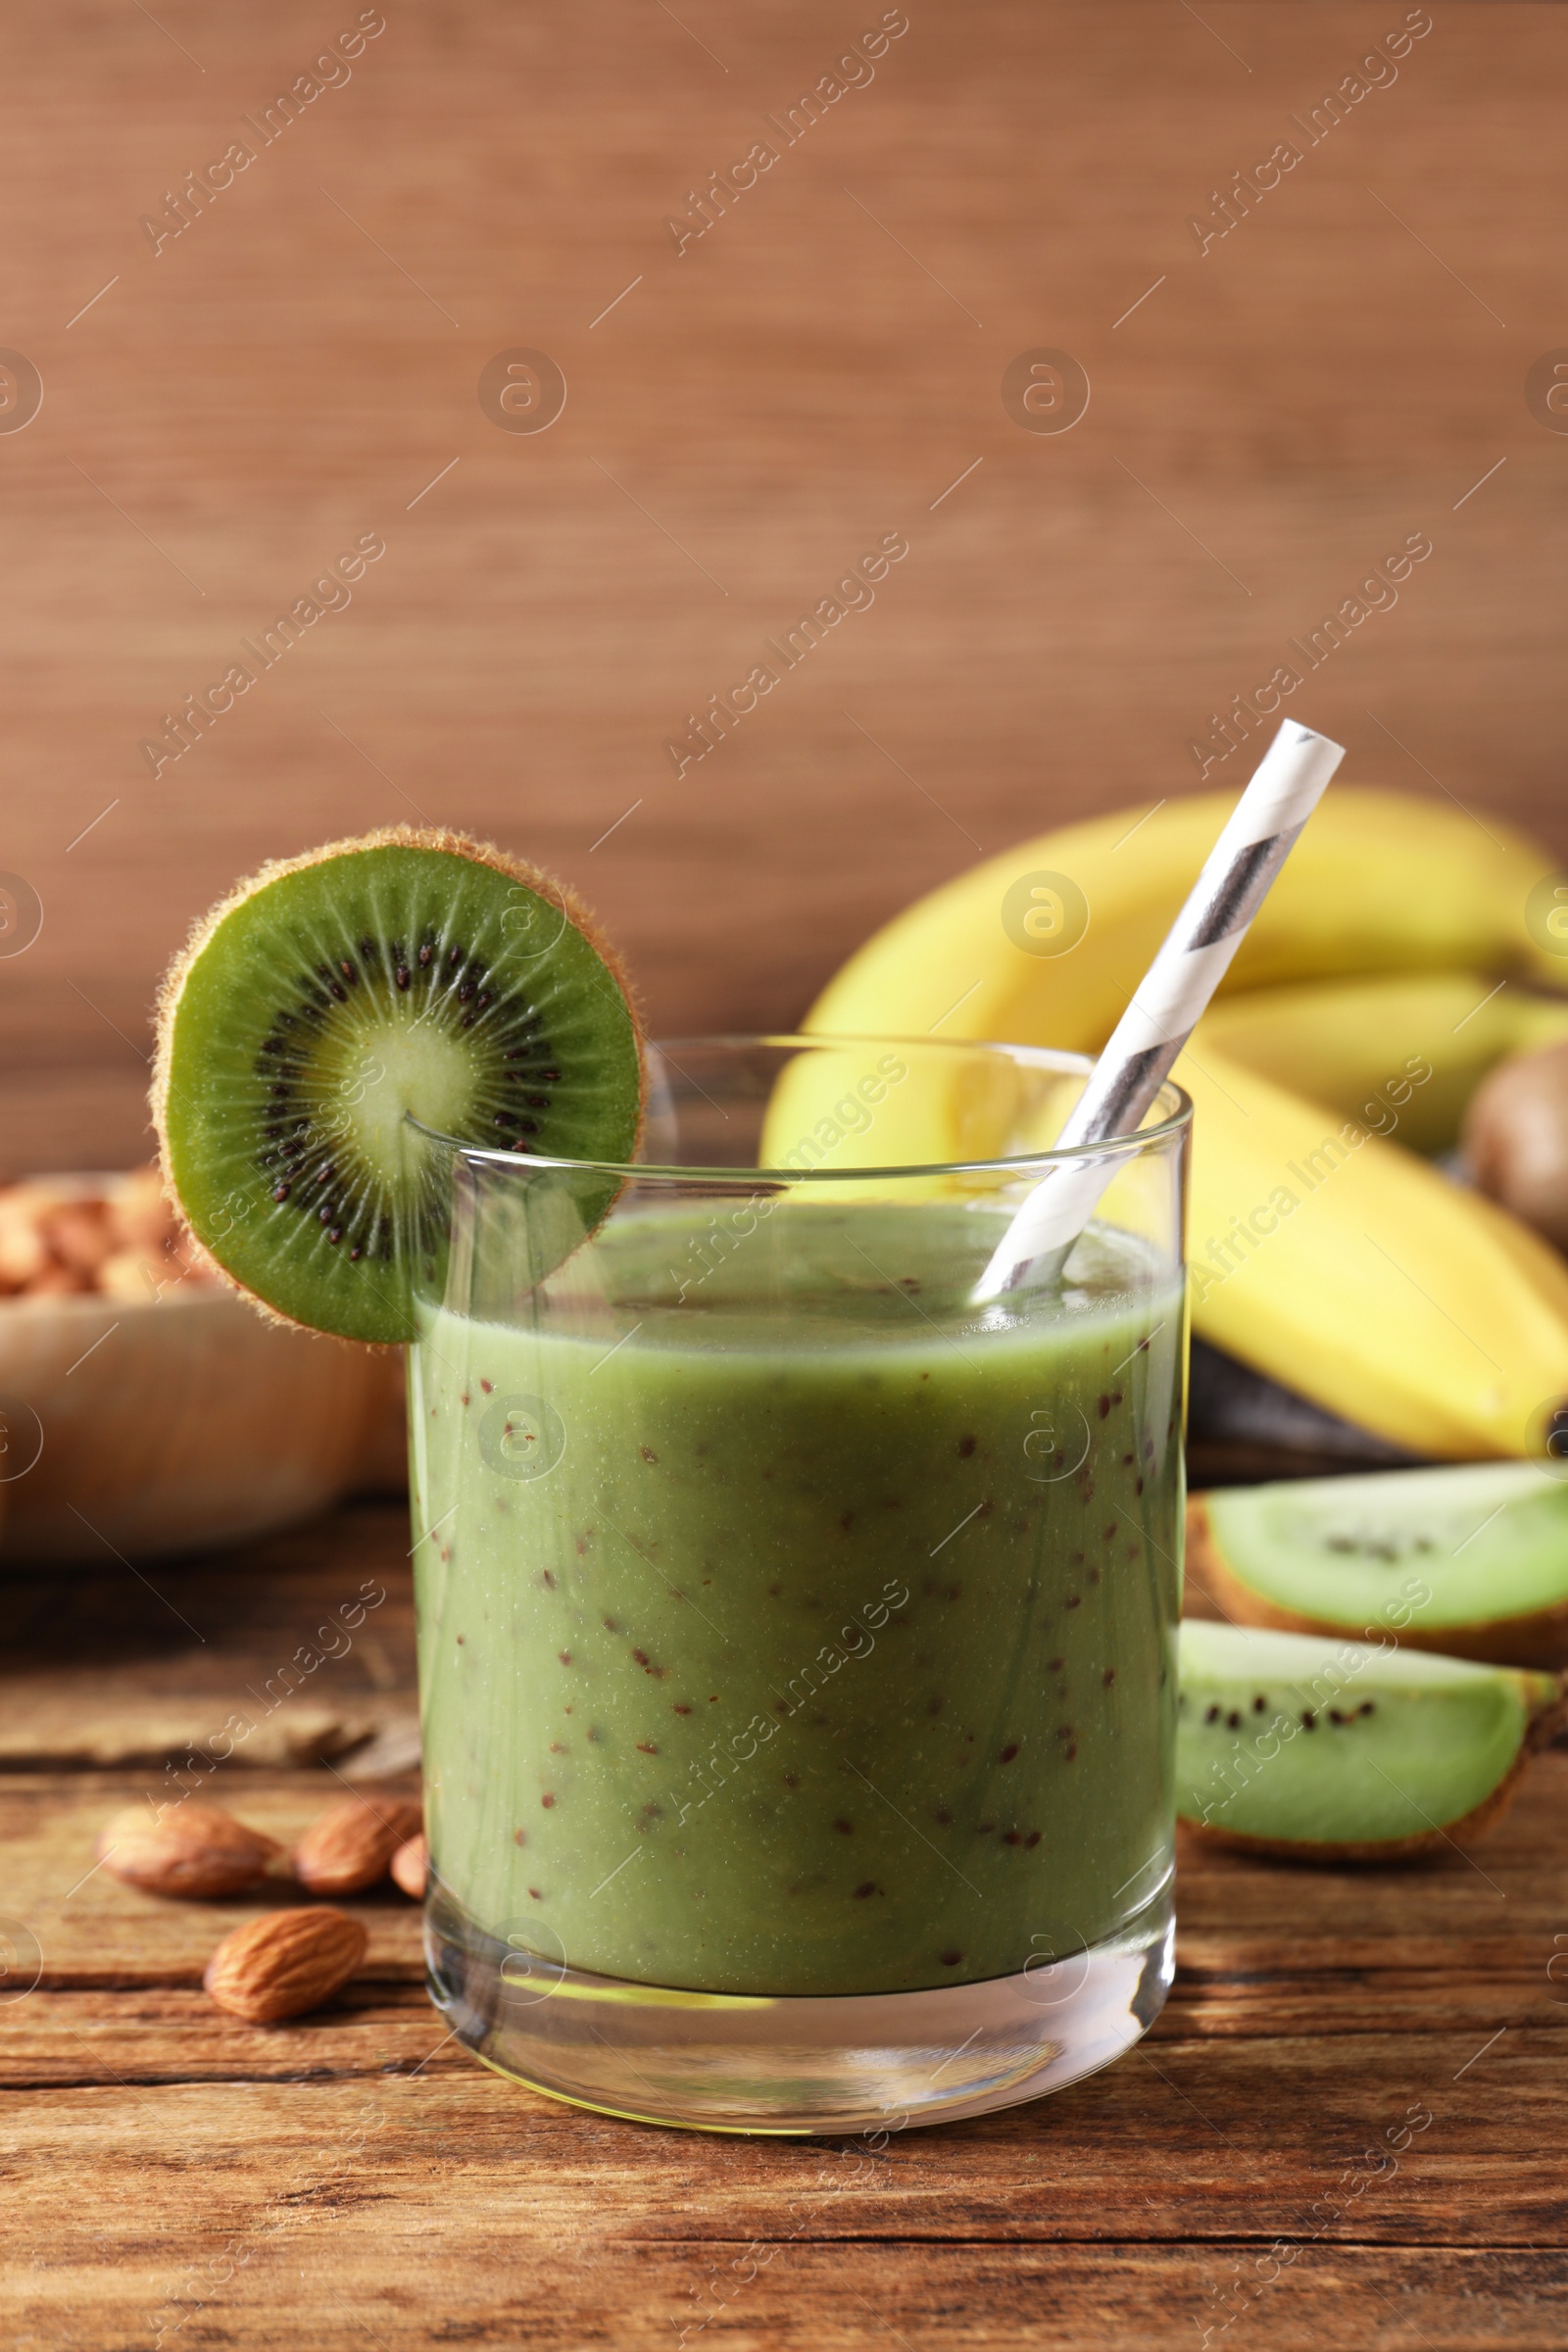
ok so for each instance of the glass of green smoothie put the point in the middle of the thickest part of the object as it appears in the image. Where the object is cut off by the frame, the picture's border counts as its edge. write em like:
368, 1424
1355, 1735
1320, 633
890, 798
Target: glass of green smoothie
797, 1634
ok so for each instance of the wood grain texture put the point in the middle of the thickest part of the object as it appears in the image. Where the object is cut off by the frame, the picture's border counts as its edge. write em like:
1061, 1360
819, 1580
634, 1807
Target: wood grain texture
1237, 2169
302, 360
284, 1651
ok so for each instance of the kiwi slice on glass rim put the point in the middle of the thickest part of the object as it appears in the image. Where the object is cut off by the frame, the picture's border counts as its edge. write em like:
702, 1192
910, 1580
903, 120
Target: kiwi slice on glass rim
331, 996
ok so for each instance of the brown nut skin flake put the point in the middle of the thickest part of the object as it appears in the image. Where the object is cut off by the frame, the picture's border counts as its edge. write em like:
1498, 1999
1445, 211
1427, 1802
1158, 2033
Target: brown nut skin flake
352, 1845
194, 1850
284, 1964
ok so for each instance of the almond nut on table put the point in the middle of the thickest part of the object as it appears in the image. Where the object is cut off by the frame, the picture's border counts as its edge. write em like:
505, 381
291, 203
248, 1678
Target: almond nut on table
285, 1963
411, 1866
351, 1844
192, 1849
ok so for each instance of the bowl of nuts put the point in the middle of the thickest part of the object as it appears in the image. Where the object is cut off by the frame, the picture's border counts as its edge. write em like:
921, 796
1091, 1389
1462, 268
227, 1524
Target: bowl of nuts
145, 1408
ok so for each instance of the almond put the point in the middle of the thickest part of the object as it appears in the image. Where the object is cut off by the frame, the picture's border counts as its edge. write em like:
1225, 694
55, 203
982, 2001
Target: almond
285, 1963
351, 1845
194, 1849
78, 1235
125, 1274
58, 1282
411, 1867
139, 1213
22, 1256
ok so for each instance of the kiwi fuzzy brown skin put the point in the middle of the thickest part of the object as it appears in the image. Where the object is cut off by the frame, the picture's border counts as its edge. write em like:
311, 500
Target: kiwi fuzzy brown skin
1426, 1844
545, 886
1515, 1137
1537, 1638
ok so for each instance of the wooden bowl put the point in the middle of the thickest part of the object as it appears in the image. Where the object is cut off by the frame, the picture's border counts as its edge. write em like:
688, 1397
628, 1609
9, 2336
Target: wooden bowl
149, 1428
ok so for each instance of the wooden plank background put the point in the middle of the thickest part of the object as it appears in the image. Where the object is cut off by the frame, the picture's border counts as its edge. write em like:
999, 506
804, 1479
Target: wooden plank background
302, 360
226, 415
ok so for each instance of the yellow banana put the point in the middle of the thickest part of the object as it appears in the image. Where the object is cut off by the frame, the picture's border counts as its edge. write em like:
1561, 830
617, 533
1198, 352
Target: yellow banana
1376, 1288
1401, 1053
1341, 1264
1048, 939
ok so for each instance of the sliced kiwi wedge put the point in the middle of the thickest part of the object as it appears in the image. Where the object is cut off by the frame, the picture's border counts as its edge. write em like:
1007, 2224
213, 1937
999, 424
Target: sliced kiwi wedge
331, 996
1471, 1558
1324, 1750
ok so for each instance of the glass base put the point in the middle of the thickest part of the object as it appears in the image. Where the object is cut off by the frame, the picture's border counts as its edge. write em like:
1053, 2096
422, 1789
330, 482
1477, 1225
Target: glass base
728, 2062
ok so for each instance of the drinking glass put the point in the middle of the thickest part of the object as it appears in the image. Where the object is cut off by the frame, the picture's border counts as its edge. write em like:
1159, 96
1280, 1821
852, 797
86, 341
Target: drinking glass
797, 1634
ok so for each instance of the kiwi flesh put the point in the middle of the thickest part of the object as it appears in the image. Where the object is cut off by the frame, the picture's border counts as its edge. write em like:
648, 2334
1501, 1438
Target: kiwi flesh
1325, 1750
1471, 1558
330, 996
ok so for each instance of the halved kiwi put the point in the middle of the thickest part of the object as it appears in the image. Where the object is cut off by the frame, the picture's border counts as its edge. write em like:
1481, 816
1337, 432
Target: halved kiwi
330, 996
1471, 1558
1335, 1751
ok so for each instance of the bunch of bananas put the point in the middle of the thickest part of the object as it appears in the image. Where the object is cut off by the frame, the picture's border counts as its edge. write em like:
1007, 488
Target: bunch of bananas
1390, 966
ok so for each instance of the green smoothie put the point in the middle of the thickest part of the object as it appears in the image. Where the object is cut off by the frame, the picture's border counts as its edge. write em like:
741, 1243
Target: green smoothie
788, 1626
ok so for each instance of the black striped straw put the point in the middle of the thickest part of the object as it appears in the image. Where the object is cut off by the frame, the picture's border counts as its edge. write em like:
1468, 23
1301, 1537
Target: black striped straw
1171, 998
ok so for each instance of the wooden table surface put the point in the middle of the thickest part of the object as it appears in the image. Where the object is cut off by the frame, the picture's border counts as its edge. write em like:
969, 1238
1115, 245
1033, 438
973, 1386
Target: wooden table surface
224, 413
1347, 2127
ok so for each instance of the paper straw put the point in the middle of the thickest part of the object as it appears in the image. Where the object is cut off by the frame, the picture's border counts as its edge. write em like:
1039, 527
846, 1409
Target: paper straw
1171, 998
